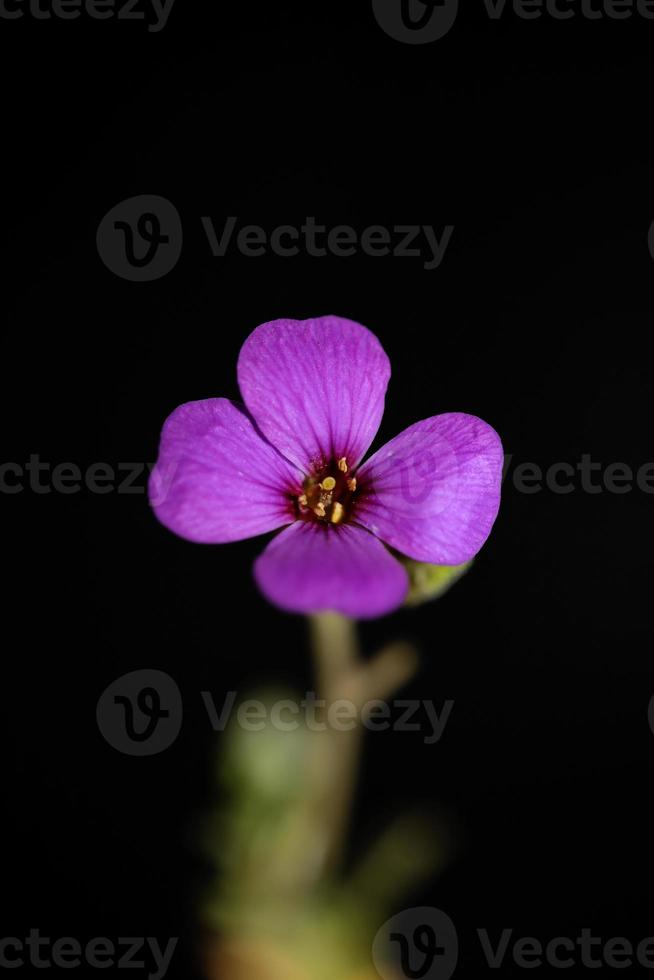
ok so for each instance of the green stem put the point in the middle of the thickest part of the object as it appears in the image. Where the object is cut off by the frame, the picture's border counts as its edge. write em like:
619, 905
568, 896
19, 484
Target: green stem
338, 667
342, 675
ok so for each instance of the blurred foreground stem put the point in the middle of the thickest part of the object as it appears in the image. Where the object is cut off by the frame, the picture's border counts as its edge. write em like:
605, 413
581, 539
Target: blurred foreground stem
281, 907
336, 658
341, 676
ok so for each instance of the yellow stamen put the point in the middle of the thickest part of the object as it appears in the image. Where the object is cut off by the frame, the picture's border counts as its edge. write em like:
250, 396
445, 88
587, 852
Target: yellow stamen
302, 500
342, 464
319, 510
352, 483
337, 513
328, 483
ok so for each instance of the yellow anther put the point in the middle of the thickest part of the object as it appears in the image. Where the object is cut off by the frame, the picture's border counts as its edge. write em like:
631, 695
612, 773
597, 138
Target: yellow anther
337, 513
342, 464
302, 500
328, 483
319, 510
352, 483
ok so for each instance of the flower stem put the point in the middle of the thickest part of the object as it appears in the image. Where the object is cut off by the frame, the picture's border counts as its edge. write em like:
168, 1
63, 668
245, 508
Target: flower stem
342, 675
337, 662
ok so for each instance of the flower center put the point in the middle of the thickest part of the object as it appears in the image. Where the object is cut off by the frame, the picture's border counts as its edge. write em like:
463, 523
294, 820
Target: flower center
328, 495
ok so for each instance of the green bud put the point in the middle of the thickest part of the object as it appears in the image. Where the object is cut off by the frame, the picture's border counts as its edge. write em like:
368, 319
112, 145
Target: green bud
427, 582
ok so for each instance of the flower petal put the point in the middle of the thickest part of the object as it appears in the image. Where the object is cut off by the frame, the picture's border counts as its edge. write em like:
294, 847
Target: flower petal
433, 492
217, 479
315, 387
312, 568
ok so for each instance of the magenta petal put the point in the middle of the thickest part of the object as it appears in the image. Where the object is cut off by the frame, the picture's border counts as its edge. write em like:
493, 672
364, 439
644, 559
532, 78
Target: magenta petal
312, 568
216, 478
433, 492
315, 387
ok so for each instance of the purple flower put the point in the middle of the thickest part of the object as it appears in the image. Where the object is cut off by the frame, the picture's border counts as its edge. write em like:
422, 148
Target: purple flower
291, 458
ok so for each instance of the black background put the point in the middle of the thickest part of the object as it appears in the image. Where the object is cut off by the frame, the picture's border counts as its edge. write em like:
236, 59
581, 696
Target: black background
534, 140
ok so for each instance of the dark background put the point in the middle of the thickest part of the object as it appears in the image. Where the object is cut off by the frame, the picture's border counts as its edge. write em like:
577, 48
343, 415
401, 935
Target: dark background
534, 140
